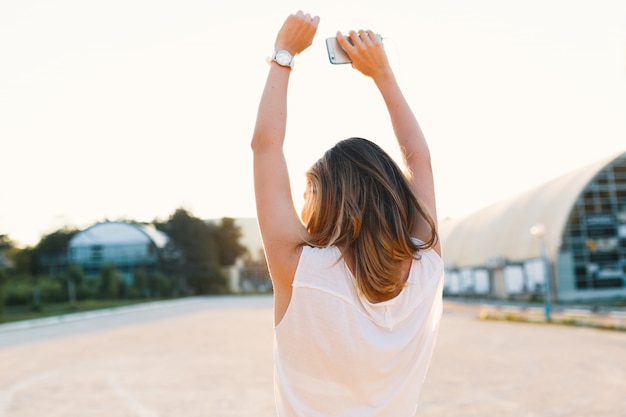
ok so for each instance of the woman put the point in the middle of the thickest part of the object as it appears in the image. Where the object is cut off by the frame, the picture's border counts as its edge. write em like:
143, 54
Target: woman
358, 278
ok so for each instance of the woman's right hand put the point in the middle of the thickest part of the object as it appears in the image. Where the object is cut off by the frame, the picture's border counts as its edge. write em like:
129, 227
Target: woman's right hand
366, 52
297, 32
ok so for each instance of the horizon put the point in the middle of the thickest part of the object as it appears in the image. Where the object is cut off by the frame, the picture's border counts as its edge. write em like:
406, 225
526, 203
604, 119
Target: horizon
253, 238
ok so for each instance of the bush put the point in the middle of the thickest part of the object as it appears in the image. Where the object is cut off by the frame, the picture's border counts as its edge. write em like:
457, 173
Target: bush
88, 289
21, 290
111, 284
18, 291
160, 285
4, 278
138, 288
52, 290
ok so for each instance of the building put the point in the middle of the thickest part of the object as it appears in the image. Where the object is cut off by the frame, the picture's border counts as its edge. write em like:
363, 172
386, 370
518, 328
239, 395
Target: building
5, 263
251, 236
128, 246
251, 274
579, 244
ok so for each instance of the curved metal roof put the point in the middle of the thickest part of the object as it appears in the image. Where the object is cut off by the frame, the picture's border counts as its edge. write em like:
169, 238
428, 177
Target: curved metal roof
503, 229
118, 233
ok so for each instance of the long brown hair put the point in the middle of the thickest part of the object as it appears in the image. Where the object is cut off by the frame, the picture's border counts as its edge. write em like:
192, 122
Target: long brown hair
361, 201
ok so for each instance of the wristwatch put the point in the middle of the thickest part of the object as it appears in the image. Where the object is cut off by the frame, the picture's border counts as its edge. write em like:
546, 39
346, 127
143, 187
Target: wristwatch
283, 58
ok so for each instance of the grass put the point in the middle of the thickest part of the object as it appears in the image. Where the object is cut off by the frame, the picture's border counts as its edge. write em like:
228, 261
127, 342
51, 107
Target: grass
594, 321
28, 312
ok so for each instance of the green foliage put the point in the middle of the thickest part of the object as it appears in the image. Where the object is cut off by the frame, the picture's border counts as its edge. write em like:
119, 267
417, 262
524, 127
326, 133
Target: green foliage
111, 284
228, 235
4, 279
73, 278
89, 289
139, 288
56, 243
23, 261
26, 312
200, 255
51, 252
191, 264
75, 274
152, 285
18, 290
5, 242
52, 290
25, 290
159, 285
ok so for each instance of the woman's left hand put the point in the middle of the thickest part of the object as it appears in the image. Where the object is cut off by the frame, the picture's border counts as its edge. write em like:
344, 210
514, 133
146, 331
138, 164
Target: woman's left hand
297, 32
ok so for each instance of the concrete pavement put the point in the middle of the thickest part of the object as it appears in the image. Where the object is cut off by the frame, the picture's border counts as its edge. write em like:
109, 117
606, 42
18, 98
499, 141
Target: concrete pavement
215, 359
500, 368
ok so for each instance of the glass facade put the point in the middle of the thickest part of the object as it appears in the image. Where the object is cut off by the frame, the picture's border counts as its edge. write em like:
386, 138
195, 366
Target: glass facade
595, 233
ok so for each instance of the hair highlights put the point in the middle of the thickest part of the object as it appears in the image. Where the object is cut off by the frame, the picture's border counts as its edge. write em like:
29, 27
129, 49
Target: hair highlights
360, 200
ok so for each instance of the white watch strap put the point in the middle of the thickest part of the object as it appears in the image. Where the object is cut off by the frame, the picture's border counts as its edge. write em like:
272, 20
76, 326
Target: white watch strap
276, 52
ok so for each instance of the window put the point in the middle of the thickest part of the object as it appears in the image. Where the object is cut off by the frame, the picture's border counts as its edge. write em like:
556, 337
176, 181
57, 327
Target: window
596, 231
96, 253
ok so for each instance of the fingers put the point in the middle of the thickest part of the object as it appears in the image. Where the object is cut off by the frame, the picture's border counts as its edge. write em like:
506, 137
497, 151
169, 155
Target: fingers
365, 51
356, 40
364, 37
302, 19
297, 32
343, 41
306, 18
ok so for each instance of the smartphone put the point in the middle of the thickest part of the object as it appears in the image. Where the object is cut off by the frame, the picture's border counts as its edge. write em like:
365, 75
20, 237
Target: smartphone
336, 54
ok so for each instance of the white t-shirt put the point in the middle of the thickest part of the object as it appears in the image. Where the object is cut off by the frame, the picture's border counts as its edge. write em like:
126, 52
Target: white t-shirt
337, 354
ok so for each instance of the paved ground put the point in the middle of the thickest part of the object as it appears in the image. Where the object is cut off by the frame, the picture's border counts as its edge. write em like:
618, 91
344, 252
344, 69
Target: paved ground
213, 357
499, 368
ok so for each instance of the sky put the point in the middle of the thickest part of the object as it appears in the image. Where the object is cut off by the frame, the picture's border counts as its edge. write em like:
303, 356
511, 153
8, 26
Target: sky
131, 109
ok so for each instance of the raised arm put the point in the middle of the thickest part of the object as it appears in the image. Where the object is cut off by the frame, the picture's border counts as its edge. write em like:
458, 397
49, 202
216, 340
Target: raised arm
281, 229
368, 56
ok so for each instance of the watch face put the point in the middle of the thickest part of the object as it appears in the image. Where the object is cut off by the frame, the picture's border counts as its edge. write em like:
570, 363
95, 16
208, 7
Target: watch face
283, 58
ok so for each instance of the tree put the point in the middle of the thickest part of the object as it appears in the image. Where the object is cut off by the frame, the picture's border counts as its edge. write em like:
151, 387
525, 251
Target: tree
7, 249
4, 279
73, 277
56, 243
51, 251
22, 276
5, 242
5, 245
110, 282
228, 235
159, 285
23, 261
139, 287
196, 241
